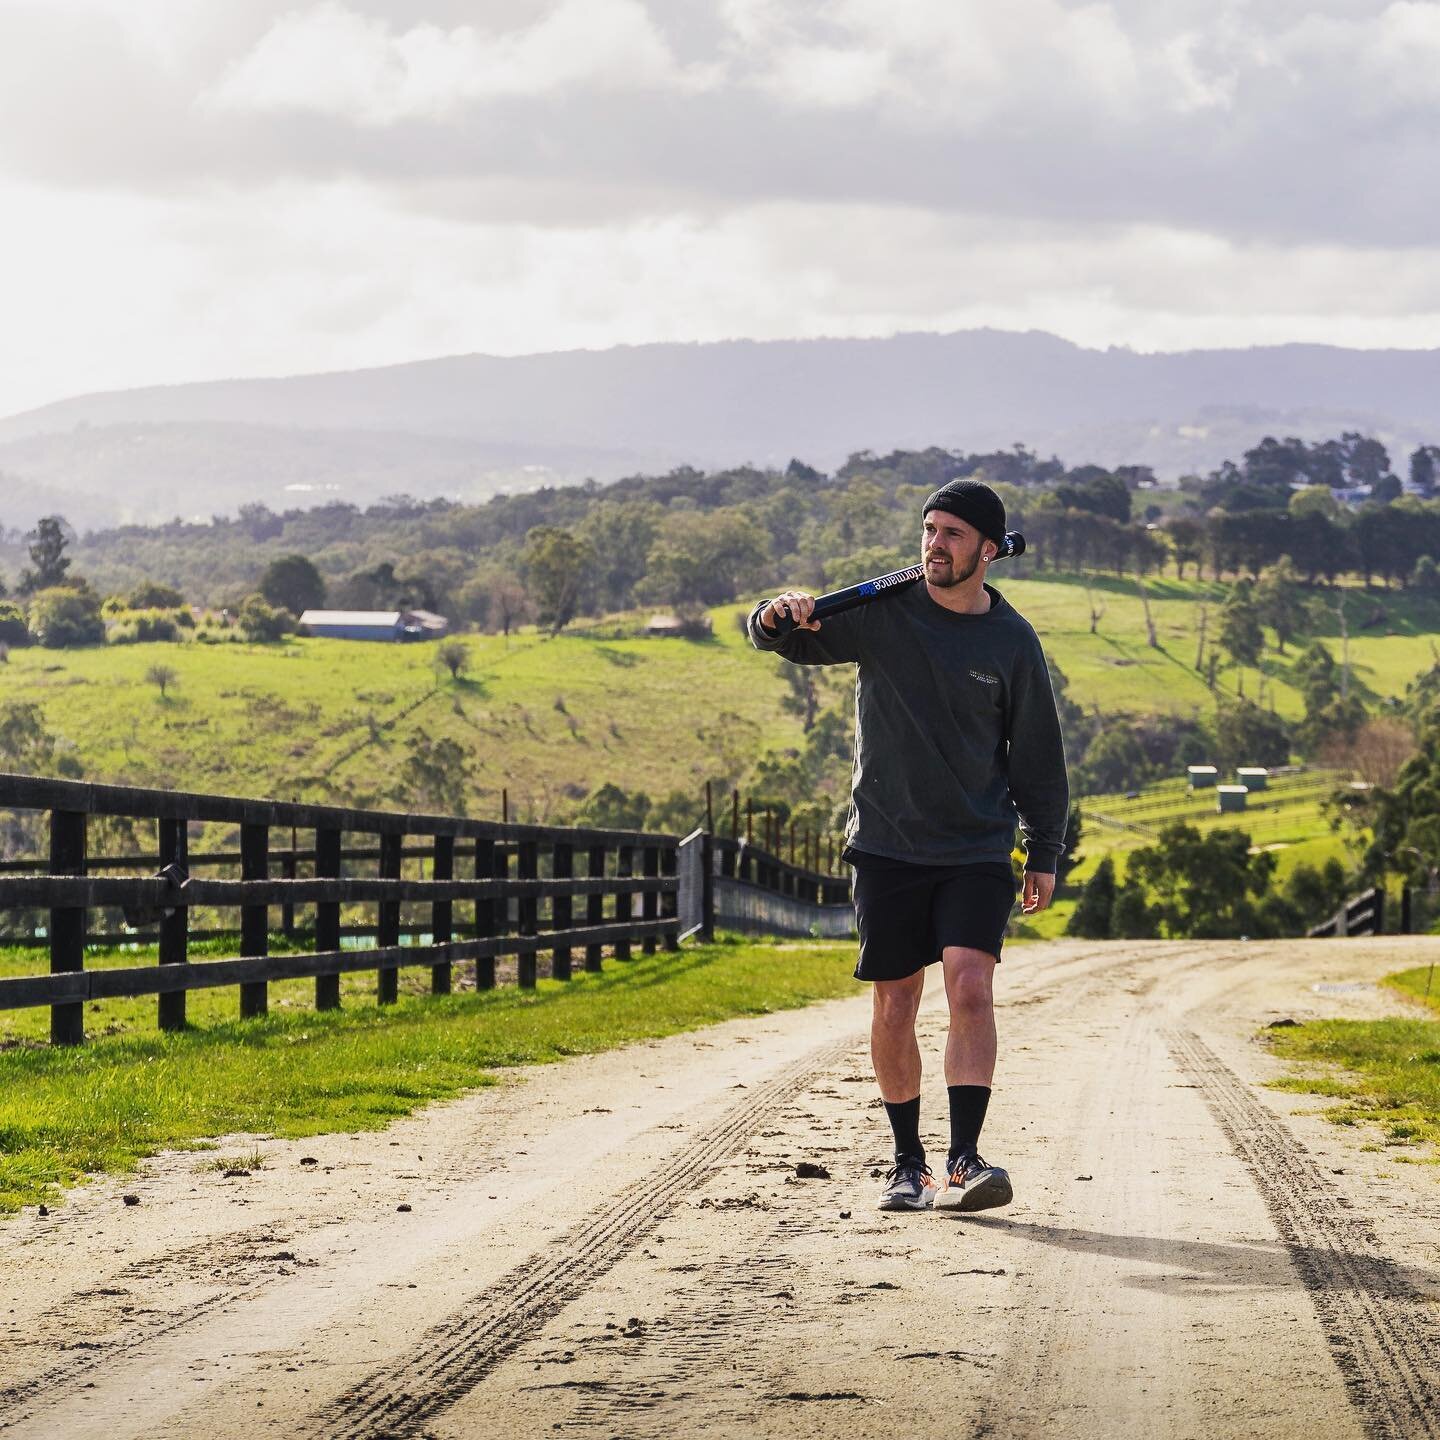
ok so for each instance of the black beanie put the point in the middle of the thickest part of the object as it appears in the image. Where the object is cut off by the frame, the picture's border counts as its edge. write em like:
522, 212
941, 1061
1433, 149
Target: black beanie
975, 504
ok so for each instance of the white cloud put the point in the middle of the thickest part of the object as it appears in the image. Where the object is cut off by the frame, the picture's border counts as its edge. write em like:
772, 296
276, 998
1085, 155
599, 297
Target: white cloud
301, 277
965, 62
334, 61
287, 185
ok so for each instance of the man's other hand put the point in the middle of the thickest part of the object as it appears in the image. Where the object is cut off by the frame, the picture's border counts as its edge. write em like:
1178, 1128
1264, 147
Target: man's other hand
1038, 891
793, 603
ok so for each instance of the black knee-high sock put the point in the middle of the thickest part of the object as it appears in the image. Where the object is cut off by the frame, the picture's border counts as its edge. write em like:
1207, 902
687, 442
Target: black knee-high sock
905, 1122
967, 1115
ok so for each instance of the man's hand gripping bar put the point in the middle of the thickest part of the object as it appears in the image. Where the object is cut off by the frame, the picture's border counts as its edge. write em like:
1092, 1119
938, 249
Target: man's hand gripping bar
882, 585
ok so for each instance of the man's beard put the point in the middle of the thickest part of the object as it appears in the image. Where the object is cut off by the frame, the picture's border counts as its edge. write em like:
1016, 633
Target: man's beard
958, 575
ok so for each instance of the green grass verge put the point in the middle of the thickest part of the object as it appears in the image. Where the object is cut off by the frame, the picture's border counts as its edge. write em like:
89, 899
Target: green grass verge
1383, 1073
102, 1107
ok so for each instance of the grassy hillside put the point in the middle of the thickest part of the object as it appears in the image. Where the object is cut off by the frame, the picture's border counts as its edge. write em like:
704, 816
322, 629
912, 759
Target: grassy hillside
320, 719
553, 718
1392, 638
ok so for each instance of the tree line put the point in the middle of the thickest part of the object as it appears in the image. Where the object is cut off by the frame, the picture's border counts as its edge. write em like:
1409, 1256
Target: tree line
690, 539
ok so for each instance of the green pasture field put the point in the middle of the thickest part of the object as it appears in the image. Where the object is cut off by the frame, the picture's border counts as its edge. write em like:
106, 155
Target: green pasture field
309, 719
1381, 1073
1115, 670
1288, 817
550, 719
133, 1090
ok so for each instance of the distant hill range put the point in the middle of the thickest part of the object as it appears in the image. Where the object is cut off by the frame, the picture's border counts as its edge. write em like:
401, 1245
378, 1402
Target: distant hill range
474, 425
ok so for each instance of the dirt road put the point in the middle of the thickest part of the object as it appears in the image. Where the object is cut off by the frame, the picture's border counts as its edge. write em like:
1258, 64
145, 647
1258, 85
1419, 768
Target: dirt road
619, 1246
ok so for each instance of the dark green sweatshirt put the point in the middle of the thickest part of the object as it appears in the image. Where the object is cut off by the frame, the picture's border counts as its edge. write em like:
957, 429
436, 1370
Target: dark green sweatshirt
955, 729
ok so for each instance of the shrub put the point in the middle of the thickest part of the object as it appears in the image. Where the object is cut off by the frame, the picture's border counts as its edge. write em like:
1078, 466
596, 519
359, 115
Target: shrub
1133, 917
259, 621
13, 629
146, 625
61, 617
162, 677
611, 808
1091, 918
453, 655
151, 595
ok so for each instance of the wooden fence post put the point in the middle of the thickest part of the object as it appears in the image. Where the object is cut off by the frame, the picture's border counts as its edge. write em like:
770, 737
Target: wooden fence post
287, 870
387, 977
595, 910
528, 868
562, 867
650, 905
734, 814
442, 912
485, 856
67, 925
670, 901
624, 906
254, 919
707, 887
327, 916
174, 927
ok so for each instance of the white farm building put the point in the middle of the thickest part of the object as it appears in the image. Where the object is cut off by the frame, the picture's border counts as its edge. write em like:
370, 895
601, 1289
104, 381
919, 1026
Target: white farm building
374, 624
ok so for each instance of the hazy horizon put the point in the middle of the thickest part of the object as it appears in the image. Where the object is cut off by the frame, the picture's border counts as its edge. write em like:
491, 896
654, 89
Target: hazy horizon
724, 340
301, 187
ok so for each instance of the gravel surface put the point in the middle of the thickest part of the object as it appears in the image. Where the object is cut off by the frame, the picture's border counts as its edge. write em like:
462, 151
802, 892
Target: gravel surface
642, 1243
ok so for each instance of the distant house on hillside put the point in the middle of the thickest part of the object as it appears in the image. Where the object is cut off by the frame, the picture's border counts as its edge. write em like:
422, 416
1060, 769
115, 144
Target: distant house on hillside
374, 624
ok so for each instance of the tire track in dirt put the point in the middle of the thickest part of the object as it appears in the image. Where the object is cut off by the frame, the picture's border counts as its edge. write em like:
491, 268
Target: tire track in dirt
455, 1355
223, 1264
1380, 1340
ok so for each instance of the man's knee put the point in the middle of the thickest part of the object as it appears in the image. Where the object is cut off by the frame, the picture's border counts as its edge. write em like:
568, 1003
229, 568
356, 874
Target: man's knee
969, 982
897, 1002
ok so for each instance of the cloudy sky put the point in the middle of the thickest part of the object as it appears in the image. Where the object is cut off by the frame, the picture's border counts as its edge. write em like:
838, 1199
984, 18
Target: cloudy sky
192, 190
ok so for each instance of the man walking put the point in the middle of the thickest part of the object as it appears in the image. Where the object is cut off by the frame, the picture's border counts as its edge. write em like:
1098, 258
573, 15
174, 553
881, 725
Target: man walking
956, 736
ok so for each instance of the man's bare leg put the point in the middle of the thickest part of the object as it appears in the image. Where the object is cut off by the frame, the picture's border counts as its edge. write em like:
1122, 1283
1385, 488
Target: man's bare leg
896, 1058
970, 989
894, 1051
969, 1069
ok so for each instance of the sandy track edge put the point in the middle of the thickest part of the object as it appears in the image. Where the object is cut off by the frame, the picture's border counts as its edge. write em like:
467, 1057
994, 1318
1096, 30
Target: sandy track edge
1373, 1322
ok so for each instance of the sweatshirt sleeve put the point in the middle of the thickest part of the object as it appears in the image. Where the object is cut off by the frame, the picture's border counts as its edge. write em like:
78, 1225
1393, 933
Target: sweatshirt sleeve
1038, 782
836, 642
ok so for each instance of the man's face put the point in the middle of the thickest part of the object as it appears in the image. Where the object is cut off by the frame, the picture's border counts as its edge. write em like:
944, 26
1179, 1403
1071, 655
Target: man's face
950, 549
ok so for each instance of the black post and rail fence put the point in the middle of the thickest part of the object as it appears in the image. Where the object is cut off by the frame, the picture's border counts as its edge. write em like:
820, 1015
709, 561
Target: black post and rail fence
458, 889
522, 913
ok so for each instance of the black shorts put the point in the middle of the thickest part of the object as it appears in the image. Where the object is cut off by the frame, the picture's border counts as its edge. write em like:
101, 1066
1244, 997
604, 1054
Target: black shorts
907, 914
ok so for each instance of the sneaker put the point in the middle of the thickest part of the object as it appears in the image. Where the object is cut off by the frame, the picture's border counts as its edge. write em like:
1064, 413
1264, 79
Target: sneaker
974, 1185
908, 1186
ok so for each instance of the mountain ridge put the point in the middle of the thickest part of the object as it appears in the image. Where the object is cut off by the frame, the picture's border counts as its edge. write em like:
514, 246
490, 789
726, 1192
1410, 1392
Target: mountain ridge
469, 425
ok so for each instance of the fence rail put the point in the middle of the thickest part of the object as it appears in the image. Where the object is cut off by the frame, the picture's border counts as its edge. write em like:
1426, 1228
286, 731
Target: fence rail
626, 896
1362, 914
477, 891
740, 886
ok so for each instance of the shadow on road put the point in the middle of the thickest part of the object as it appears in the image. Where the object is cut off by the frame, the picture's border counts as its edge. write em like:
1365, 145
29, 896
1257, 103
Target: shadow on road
1197, 1267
